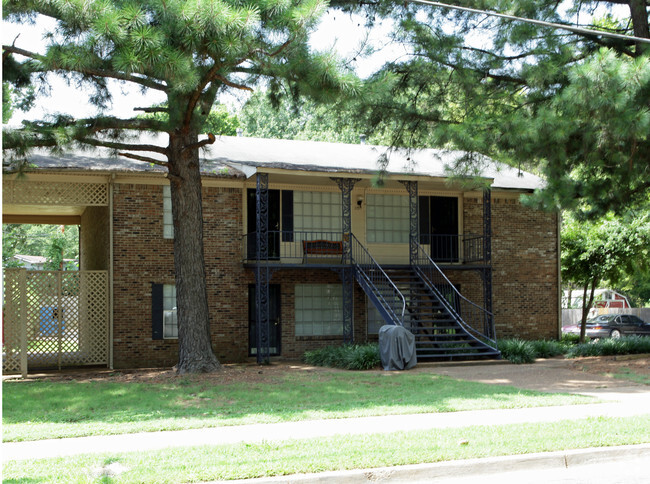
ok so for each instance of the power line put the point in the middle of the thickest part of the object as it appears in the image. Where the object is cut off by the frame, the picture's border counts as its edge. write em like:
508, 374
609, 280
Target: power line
570, 28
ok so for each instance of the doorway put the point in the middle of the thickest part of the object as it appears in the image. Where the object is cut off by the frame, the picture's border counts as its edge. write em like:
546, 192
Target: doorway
275, 326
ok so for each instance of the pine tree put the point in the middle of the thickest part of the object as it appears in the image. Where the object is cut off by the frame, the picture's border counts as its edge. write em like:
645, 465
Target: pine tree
571, 106
191, 52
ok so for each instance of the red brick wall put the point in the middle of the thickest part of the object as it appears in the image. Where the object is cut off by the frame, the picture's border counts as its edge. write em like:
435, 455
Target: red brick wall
525, 285
524, 267
143, 256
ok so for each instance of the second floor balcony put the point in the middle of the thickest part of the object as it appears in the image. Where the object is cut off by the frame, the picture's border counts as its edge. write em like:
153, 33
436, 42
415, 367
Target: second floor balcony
321, 248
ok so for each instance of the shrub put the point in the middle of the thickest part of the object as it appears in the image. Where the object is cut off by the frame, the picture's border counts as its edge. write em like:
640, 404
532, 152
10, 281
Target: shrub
348, 357
628, 345
517, 351
570, 339
548, 349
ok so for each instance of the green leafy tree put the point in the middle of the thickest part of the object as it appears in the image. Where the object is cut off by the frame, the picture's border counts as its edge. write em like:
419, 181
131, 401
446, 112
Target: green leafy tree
571, 106
52, 241
191, 52
607, 249
303, 119
219, 122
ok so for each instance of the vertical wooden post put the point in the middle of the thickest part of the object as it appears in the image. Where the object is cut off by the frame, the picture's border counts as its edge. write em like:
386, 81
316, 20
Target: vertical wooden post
23, 322
59, 316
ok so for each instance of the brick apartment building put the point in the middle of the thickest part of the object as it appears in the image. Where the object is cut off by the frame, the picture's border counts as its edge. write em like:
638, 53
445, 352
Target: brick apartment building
303, 248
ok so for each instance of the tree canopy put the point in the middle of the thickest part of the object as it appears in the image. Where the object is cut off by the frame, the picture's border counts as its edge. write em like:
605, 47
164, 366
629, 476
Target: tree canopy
571, 106
605, 250
191, 52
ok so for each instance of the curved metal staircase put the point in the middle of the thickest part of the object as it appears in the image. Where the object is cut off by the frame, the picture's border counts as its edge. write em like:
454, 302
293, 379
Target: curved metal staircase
446, 325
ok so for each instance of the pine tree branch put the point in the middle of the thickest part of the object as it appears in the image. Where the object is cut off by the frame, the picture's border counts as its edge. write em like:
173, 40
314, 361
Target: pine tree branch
123, 146
145, 159
86, 71
211, 139
155, 109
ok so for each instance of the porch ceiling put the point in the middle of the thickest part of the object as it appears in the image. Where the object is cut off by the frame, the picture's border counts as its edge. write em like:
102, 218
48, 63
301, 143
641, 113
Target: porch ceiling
55, 214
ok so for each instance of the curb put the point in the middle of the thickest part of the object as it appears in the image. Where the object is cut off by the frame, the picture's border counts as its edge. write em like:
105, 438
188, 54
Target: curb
563, 459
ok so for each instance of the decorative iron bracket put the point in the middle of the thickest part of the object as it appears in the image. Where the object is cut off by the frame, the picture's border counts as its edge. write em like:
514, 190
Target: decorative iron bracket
347, 278
487, 225
262, 274
412, 189
346, 185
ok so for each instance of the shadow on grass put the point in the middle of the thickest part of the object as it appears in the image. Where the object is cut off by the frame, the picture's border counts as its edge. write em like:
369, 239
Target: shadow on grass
59, 408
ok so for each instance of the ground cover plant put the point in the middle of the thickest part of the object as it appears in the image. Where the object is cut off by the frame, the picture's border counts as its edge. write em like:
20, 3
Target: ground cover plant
54, 409
270, 458
628, 345
347, 357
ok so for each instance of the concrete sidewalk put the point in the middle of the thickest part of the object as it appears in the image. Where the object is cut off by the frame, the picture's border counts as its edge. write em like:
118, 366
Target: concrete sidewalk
622, 404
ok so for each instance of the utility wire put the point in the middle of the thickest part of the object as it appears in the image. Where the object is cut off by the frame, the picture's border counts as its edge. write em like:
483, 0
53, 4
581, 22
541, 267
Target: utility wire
570, 28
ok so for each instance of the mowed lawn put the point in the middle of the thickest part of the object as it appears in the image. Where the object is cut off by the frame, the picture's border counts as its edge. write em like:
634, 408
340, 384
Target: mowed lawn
34, 410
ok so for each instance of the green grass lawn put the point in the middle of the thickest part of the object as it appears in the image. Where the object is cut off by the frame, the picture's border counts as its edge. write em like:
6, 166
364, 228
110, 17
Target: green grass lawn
42, 410
243, 461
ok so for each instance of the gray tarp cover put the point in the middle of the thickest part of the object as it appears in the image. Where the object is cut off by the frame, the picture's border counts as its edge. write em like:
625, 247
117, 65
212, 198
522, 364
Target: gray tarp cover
396, 348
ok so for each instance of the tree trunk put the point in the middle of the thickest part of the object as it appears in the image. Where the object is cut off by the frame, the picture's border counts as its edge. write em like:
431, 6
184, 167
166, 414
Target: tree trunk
586, 306
195, 353
639, 14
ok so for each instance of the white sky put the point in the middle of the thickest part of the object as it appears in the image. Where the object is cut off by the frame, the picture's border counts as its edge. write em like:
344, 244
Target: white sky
343, 32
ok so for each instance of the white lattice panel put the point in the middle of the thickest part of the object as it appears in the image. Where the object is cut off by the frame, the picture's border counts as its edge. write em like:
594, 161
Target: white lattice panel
64, 315
54, 193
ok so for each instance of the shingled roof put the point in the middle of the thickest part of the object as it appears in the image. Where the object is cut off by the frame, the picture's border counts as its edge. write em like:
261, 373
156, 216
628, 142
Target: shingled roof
243, 156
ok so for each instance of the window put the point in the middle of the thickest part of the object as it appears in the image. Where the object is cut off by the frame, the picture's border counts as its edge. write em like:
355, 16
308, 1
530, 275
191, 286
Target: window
164, 322
317, 211
387, 219
170, 320
319, 309
168, 222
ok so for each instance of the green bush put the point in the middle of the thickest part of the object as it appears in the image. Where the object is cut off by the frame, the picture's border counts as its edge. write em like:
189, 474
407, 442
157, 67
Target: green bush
570, 339
348, 357
517, 351
628, 345
548, 349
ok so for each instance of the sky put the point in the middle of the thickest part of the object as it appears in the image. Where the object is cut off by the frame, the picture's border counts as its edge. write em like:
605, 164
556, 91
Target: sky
340, 31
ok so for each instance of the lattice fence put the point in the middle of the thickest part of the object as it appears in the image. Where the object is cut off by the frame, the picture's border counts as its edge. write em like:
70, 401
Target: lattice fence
54, 193
54, 319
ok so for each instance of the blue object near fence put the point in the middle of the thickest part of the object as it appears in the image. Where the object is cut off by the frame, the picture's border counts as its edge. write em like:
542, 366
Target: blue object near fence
49, 323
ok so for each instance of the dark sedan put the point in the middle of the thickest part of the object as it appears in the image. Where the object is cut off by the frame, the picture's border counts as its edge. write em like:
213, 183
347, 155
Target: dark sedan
612, 326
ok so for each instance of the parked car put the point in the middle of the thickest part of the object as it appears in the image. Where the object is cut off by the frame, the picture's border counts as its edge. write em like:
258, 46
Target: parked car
612, 326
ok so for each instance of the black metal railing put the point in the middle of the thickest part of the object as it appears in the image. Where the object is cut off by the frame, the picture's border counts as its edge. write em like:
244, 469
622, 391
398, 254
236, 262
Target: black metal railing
377, 284
297, 247
469, 315
450, 248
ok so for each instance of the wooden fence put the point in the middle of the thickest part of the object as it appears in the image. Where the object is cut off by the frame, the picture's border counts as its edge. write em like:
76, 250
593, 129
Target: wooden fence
54, 319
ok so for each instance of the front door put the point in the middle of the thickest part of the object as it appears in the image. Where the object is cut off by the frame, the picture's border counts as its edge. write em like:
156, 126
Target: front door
275, 327
273, 239
439, 227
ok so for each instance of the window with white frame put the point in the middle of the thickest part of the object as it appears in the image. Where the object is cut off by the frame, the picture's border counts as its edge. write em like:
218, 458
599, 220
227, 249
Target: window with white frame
170, 319
319, 309
168, 223
387, 219
317, 211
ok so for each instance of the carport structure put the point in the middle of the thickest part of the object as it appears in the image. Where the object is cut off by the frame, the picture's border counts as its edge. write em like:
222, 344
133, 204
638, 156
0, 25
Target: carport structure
54, 319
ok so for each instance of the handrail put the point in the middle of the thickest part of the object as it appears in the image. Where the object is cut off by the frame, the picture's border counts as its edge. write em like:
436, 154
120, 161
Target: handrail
439, 283
382, 285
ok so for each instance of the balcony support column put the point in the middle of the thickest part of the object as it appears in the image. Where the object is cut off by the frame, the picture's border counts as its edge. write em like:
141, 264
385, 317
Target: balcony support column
486, 272
262, 272
412, 189
487, 225
346, 185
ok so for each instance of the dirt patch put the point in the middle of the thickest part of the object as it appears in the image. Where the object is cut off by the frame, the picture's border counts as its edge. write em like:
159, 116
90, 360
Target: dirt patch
230, 374
546, 375
610, 365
